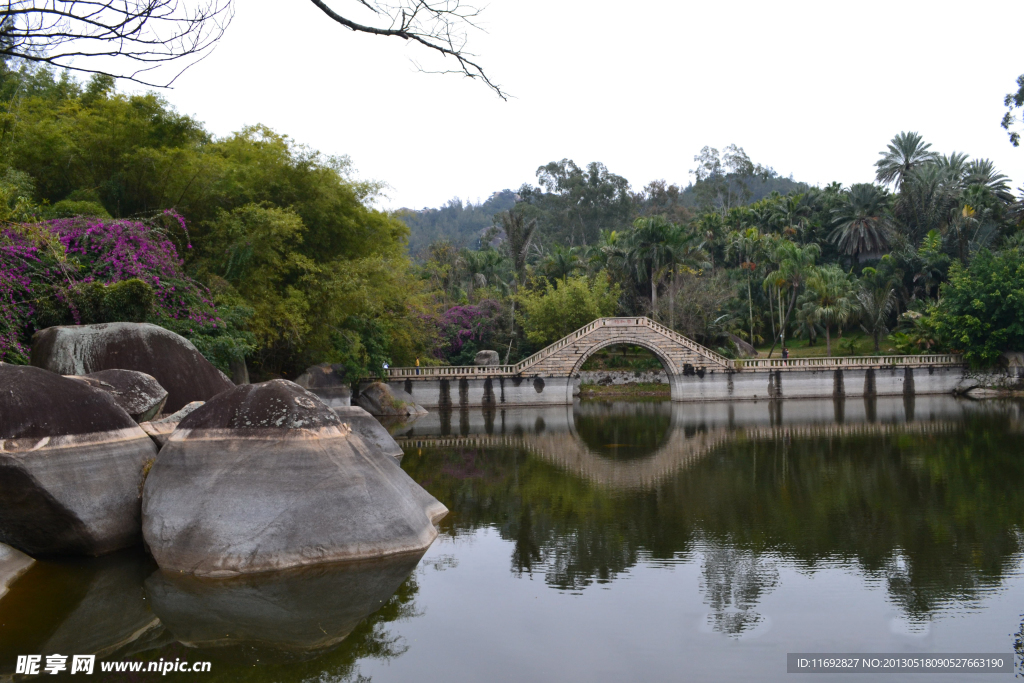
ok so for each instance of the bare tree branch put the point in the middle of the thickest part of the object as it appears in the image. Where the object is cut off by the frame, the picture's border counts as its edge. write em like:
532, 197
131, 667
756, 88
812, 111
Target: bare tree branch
438, 25
150, 33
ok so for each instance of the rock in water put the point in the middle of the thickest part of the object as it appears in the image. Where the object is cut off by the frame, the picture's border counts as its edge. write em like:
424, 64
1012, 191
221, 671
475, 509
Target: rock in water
328, 382
13, 563
175, 363
72, 463
372, 432
301, 611
380, 399
487, 358
266, 477
159, 430
139, 394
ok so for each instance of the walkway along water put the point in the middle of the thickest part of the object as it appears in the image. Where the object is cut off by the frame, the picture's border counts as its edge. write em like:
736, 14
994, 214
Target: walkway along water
695, 373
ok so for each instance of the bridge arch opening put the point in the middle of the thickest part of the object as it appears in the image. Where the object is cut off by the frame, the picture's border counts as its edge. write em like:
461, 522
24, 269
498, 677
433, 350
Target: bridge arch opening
636, 354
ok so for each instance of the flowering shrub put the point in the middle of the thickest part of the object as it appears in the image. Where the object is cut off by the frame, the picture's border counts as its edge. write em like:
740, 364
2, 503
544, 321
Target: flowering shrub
461, 326
49, 270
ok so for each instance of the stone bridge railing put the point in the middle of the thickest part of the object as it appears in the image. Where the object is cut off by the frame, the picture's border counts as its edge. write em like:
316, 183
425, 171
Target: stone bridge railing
522, 368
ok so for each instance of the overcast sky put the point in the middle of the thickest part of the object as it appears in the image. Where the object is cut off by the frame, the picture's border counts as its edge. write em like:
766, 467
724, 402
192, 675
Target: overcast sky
813, 89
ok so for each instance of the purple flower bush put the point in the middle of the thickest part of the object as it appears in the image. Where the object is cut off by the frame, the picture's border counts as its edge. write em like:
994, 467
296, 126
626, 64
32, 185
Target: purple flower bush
46, 262
464, 327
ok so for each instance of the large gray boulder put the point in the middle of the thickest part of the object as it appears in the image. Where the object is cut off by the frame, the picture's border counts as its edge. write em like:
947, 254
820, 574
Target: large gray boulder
13, 563
139, 394
299, 611
380, 399
743, 348
72, 463
487, 358
266, 477
328, 382
372, 432
175, 363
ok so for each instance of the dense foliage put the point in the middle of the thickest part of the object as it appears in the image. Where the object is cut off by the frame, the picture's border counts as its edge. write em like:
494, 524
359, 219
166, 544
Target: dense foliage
283, 245
260, 249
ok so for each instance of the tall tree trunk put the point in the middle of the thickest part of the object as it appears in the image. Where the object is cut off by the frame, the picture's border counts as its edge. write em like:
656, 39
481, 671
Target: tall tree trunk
672, 299
750, 308
771, 315
828, 340
654, 296
789, 311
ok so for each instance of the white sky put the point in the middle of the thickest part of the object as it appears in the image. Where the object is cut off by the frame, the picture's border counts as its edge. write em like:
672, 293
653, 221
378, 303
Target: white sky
815, 89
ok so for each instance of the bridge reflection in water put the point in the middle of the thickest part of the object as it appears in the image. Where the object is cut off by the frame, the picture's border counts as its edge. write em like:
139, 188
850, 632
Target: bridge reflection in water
637, 445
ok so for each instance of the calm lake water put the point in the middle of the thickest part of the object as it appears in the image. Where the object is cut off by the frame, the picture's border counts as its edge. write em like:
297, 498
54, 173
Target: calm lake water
614, 541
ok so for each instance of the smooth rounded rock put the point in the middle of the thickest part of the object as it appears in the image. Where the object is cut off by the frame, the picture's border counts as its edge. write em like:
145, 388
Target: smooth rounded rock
175, 363
72, 463
372, 432
487, 358
329, 383
139, 394
385, 401
302, 611
266, 477
13, 563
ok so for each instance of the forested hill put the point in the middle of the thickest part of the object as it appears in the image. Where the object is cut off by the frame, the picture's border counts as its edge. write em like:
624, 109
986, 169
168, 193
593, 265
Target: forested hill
463, 224
459, 223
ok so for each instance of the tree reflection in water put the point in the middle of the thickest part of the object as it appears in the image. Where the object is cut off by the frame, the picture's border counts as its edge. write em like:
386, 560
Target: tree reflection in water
733, 581
932, 508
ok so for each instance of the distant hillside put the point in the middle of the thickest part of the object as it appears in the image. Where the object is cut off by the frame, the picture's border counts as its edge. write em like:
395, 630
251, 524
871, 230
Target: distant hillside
461, 224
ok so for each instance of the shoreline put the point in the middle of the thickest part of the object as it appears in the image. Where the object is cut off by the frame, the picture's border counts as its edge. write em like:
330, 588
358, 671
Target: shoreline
625, 390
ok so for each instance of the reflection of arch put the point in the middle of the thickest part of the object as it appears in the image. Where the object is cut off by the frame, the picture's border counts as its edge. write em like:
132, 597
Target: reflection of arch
566, 450
617, 431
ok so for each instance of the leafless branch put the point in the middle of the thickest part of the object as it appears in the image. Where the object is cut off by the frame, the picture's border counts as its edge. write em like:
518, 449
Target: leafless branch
72, 34
439, 25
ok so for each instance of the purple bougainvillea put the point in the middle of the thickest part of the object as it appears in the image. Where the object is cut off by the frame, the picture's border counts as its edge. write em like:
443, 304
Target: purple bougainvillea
461, 324
50, 258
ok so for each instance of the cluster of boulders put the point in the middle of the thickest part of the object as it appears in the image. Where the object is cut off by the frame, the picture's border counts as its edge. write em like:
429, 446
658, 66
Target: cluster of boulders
123, 432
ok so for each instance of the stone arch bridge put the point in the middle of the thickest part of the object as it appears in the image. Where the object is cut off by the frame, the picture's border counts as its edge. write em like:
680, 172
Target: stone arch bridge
695, 372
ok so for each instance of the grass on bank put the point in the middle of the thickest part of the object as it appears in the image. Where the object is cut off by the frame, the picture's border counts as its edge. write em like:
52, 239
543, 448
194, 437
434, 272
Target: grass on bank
852, 343
624, 390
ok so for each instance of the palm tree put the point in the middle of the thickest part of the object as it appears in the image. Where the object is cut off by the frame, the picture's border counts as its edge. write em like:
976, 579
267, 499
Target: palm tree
831, 298
562, 262
794, 265
934, 263
862, 223
983, 172
648, 251
684, 247
747, 248
518, 235
877, 300
906, 152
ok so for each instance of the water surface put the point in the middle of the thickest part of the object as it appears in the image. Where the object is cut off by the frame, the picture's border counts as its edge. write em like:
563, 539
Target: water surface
641, 541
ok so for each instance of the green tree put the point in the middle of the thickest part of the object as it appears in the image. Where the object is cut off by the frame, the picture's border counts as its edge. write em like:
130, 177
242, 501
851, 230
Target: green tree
981, 313
1013, 101
794, 265
549, 314
862, 222
906, 152
876, 297
830, 293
